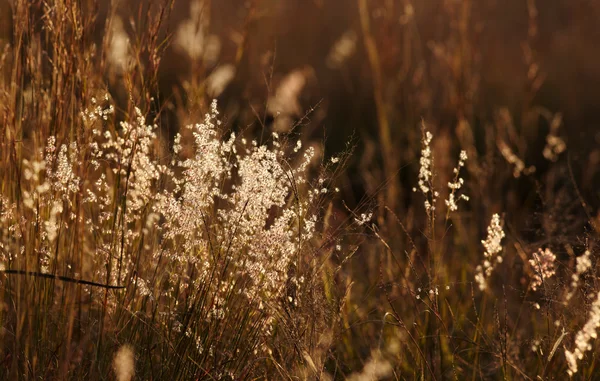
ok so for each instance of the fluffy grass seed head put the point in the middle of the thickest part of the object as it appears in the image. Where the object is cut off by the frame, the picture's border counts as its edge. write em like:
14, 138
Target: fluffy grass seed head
425, 184
124, 363
584, 337
493, 248
542, 264
455, 185
584, 263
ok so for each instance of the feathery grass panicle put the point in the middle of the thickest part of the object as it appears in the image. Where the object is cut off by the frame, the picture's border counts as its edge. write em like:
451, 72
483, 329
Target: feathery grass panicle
583, 264
455, 185
426, 174
542, 264
124, 363
132, 212
493, 248
426, 171
584, 337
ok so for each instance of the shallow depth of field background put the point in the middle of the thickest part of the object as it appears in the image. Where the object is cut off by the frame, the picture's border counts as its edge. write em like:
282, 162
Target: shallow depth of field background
364, 77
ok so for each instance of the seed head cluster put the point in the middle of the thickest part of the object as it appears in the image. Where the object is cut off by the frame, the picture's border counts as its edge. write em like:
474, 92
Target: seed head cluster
426, 172
455, 185
493, 248
584, 263
542, 264
584, 337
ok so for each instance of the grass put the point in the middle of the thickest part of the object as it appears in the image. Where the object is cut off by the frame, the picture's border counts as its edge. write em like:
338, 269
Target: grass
154, 234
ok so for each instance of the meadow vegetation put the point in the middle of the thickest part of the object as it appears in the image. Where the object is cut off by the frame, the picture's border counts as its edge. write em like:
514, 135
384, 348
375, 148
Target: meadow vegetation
173, 230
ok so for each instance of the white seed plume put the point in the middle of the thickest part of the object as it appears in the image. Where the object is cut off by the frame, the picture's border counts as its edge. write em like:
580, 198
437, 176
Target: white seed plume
455, 186
426, 172
218, 80
584, 263
493, 248
285, 103
124, 363
584, 337
118, 55
342, 50
189, 37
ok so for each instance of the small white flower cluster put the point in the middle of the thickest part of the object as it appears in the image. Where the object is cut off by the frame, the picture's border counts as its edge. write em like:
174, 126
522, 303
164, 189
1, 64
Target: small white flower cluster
426, 177
493, 248
122, 158
432, 292
584, 263
59, 168
542, 264
363, 219
89, 116
455, 186
426, 172
49, 188
9, 229
583, 337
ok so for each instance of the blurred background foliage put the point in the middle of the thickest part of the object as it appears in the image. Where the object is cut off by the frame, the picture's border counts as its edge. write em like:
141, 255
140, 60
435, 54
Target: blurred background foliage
458, 65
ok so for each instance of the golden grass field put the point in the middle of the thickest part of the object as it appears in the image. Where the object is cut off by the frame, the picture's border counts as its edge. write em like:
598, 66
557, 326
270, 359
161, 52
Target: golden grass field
299, 190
